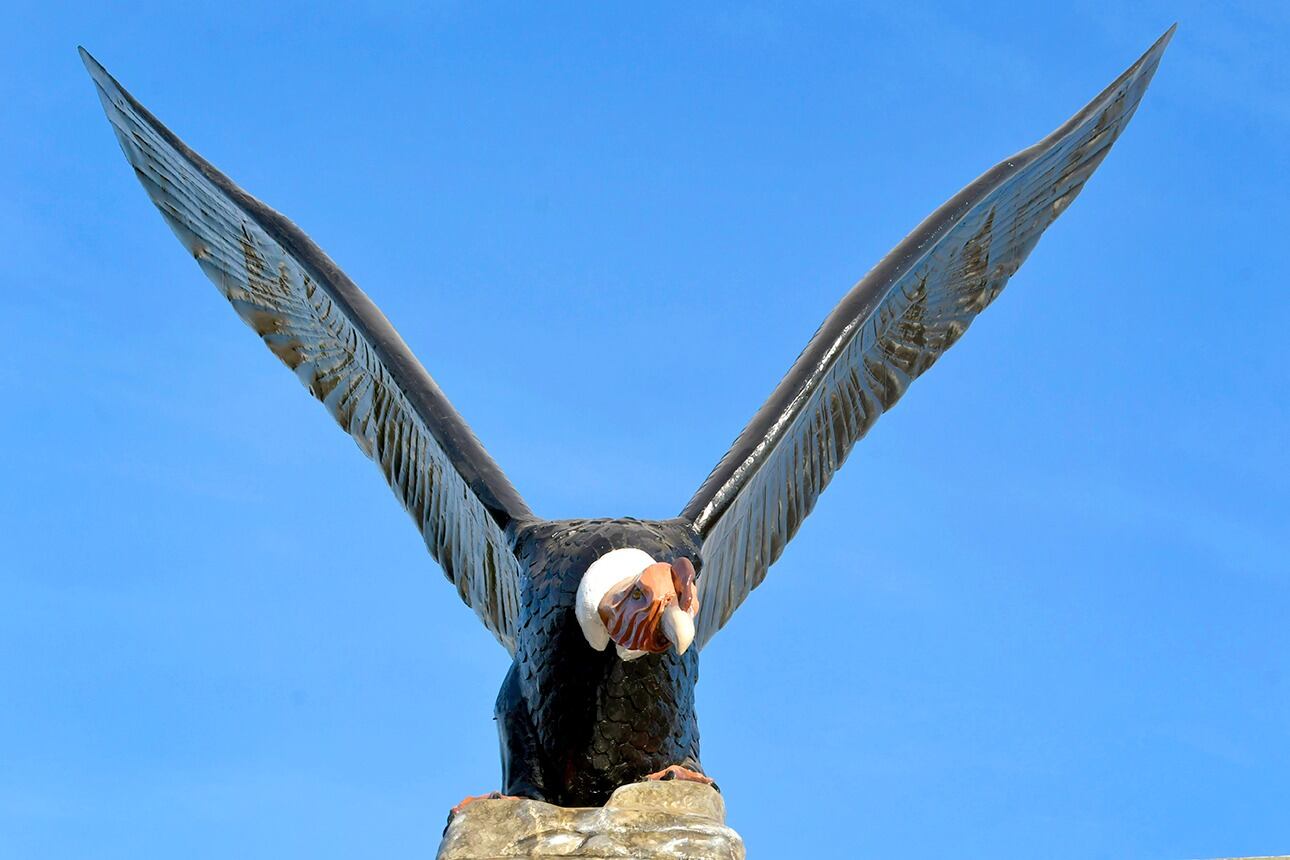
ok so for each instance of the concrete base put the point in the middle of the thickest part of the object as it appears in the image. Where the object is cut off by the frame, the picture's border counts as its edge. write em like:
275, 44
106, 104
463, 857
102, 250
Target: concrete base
671, 820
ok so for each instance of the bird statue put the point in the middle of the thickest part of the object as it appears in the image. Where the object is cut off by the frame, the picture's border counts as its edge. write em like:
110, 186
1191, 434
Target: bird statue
605, 618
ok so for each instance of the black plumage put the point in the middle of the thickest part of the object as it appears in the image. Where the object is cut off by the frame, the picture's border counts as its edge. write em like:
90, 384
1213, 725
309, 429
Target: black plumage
576, 722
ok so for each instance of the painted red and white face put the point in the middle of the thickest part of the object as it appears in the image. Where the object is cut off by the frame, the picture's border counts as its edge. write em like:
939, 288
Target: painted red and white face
654, 610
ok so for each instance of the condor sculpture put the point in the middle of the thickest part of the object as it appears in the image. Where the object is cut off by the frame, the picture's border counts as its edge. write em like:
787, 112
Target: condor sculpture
605, 618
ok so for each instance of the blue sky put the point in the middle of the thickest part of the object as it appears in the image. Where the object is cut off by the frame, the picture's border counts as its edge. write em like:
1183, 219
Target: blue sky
1041, 611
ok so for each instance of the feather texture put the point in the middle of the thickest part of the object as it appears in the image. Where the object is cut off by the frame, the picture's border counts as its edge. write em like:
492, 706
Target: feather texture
892, 326
344, 351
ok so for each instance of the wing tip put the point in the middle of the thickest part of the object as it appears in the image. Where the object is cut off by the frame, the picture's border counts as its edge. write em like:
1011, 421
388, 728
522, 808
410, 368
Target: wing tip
93, 66
1146, 64
109, 91
1158, 46
1131, 84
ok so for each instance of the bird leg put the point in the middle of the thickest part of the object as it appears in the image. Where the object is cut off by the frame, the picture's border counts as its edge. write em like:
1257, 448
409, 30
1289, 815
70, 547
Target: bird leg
676, 771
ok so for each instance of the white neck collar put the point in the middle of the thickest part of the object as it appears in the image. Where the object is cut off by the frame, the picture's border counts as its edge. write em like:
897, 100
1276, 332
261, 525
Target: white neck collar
604, 573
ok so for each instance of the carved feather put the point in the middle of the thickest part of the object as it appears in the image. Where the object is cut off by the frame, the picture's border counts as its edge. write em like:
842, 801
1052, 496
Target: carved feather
892, 326
317, 321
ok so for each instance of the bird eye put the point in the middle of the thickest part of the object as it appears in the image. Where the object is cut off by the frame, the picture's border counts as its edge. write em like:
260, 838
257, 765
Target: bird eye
637, 594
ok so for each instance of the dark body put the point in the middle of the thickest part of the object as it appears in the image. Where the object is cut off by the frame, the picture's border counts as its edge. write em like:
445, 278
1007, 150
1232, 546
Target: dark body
576, 723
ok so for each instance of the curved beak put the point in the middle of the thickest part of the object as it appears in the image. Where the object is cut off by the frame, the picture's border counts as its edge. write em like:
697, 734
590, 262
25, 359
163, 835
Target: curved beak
678, 627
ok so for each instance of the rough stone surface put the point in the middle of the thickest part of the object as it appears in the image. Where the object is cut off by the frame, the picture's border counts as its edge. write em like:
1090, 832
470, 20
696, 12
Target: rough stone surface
646, 820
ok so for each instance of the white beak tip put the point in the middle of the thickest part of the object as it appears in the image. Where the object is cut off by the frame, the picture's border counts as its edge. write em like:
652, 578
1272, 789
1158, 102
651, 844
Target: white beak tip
678, 627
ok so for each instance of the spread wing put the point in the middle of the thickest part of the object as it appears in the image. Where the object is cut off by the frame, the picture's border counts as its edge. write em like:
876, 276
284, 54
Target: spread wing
888, 330
344, 350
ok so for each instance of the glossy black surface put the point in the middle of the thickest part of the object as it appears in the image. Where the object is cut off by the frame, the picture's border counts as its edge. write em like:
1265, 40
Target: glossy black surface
866, 297
317, 322
893, 326
577, 723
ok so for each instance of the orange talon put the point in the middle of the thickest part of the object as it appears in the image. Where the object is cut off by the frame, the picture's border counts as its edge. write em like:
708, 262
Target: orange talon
492, 795
677, 772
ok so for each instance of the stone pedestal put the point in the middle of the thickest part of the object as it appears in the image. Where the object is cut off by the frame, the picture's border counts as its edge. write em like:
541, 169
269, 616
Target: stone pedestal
671, 820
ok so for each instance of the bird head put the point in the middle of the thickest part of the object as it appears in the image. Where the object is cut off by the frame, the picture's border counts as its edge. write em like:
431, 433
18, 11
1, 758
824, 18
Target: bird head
647, 611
